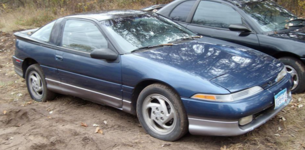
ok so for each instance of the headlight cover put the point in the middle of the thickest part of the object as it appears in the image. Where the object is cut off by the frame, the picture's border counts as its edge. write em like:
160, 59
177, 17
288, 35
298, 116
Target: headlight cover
281, 75
229, 97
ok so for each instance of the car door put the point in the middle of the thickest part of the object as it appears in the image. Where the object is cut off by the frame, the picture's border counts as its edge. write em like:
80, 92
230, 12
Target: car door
80, 75
213, 18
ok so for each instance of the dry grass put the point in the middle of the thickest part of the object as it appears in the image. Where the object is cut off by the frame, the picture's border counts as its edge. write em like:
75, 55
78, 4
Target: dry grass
24, 18
32, 16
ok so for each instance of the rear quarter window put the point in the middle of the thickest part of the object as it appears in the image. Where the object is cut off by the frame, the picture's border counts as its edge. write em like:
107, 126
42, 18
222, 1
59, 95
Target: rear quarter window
44, 33
181, 12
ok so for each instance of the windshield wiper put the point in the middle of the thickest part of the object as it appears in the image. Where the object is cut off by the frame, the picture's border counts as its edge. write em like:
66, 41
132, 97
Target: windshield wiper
298, 19
149, 47
191, 37
301, 24
187, 38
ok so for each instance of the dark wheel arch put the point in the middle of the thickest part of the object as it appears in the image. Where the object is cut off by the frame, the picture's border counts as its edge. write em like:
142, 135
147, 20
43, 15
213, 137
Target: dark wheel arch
26, 63
285, 54
140, 86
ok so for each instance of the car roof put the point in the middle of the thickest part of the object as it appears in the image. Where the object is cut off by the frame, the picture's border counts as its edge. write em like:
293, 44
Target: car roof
242, 2
106, 15
238, 2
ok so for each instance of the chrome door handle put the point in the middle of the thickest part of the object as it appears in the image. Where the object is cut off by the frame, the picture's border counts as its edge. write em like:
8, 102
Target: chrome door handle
58, 58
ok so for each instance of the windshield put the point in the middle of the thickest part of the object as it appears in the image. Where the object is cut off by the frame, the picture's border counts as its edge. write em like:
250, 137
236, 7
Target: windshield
268, 15
145, 30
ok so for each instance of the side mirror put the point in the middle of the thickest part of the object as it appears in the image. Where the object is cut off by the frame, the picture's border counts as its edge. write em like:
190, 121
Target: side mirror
104, 53
240, 28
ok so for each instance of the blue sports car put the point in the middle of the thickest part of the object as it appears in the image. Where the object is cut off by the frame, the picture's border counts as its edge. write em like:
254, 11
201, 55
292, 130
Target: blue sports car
145, 64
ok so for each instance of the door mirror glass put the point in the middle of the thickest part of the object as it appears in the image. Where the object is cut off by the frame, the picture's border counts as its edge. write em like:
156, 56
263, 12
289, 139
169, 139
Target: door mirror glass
239, 28
104, 53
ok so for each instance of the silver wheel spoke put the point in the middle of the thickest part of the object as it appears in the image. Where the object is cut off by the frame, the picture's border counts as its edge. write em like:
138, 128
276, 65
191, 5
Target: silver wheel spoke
39, 89
294, 75
152, 105
163, 106
159, 113
163, 125
168, 117
35, 91
33, 78
292, 72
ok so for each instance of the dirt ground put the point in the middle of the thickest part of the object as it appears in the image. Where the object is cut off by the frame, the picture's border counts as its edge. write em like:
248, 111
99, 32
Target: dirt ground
67, 122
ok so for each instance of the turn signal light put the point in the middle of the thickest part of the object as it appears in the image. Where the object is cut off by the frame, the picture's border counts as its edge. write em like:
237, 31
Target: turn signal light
205, 97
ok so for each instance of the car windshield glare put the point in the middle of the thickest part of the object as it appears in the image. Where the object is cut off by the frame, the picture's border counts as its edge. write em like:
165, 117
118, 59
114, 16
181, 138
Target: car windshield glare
146, 30
268, 15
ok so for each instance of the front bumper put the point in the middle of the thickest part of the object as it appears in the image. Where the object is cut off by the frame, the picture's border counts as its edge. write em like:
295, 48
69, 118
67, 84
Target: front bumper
222, 119
200, 126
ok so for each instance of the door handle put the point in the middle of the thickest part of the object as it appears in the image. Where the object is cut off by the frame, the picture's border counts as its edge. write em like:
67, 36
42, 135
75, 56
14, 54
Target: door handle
58, 58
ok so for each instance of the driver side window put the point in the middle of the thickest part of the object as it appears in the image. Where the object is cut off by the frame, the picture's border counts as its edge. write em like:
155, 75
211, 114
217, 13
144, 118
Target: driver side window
83, 36
217, 15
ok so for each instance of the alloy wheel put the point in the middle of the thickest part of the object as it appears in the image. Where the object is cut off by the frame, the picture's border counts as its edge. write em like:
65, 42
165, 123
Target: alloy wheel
159, 114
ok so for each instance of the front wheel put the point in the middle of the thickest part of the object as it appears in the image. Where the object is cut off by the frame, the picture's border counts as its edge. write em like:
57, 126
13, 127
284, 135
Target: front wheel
36, 84
161, 113
296, 69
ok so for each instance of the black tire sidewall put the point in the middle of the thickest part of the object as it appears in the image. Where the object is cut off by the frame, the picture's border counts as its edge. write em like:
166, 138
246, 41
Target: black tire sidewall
181, 126
300, 68
36, 68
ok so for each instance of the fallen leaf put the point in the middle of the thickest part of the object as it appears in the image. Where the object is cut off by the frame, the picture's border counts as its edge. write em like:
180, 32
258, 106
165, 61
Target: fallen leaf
4, 112
100, 131
83, 124
96, 130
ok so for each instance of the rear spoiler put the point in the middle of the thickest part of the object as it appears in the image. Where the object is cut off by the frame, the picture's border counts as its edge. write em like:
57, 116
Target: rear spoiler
25, 34
153, 8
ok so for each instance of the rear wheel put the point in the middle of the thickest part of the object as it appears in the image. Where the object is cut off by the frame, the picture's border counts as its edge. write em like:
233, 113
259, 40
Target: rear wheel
36, 84
161, 113
296, 69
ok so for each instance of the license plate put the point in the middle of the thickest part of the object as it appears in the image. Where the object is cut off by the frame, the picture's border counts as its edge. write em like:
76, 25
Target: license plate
280, 99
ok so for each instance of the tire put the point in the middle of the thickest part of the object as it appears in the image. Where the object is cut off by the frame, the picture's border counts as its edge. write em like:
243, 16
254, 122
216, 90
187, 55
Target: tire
161, 113
296, 69
36, 84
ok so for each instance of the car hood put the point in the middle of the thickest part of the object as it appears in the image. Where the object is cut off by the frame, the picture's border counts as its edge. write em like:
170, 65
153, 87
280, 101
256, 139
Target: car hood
228, 65
296, 34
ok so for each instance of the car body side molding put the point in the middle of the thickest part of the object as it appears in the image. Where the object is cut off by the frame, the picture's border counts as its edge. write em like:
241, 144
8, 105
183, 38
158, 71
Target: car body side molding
86, 94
